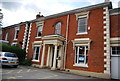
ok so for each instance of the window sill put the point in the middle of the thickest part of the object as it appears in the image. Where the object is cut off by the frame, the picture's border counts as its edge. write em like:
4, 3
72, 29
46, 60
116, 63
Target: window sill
80, 65
82, 33
38, 37
35, 60
115, 55
15, 39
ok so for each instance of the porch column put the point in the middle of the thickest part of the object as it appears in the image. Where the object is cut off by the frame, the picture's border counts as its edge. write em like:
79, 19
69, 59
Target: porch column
61, 57
51, 54
43, 54
48, 56
55, 55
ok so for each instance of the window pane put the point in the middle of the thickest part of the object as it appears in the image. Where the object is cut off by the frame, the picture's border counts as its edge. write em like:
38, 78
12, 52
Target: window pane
36, 53
118, 52
114, 52
37, 49
82, 23
76, 50
118, 48
81, 54
58, 28
10, 55
39, 33
86, 54
113, 48
17, 31
36, 57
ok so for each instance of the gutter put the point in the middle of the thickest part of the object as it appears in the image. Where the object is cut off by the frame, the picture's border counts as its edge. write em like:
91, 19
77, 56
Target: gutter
68, 17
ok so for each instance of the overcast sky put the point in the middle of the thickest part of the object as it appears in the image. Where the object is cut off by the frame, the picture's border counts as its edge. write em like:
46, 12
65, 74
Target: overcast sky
16, 11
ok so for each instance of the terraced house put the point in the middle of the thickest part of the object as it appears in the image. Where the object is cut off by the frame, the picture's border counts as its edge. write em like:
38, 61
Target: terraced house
84, 41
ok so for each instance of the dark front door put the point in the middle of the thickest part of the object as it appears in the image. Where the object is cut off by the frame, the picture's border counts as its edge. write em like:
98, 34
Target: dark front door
56, 56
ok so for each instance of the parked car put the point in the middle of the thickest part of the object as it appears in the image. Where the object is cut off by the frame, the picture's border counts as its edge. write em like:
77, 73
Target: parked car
8, 59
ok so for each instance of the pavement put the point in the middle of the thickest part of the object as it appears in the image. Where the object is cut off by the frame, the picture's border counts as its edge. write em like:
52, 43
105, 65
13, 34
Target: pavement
23, 72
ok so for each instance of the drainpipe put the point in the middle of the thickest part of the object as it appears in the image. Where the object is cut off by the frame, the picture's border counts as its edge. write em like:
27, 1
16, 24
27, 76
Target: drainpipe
68, 16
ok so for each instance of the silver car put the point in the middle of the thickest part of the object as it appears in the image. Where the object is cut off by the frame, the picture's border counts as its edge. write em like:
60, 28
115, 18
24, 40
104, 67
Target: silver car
8, 59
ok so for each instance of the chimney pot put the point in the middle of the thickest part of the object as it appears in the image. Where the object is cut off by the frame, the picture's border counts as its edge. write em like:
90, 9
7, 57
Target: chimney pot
39, 15
107, 0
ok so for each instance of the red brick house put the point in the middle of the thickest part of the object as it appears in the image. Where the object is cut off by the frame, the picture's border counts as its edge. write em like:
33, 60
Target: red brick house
83, 41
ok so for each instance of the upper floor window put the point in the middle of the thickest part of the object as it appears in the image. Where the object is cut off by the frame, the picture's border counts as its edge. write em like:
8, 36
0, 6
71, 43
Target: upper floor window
58, 28
39, 26
82, 19
6, 37
16, 33
39, 31
82, 25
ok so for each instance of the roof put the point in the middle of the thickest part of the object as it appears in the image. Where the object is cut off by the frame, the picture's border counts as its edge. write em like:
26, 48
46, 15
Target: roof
115, 11
109, 4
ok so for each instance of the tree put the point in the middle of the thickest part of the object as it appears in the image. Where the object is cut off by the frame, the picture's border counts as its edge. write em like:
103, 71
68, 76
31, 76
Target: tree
1, 17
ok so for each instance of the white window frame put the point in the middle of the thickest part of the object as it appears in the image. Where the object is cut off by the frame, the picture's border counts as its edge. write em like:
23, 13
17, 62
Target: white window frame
16, 29
14, 44
35, 54
82, 15
80, 64
39, 30
81, 42
58, 23
38, 24
6, 37
114, 54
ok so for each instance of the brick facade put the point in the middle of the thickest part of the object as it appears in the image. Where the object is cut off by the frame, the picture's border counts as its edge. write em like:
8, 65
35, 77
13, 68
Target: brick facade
101, 26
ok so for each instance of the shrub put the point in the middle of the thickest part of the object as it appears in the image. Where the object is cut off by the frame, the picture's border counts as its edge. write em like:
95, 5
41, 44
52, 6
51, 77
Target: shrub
26, 62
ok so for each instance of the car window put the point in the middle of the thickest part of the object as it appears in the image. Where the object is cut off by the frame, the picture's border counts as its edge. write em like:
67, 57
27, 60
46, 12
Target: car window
10, 55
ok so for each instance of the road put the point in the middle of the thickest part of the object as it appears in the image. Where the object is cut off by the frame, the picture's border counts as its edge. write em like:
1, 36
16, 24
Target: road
23, 72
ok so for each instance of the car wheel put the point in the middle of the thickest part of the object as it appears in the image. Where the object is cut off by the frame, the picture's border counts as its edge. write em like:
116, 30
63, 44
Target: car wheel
15, 66
3, 66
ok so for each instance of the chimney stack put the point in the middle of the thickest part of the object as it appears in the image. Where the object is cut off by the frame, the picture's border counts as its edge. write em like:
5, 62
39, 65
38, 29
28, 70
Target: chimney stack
107, 0
39, 15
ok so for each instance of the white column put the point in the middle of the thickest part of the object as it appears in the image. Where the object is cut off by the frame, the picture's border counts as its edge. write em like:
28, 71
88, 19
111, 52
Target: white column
54, 61
43, 54
60, 62
59, 55
51, 54
48, 56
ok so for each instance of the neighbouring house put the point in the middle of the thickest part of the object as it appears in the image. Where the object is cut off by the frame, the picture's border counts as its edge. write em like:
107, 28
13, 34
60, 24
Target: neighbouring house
83, 41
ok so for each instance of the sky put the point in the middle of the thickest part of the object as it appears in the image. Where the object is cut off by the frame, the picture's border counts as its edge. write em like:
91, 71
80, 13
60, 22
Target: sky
16, 11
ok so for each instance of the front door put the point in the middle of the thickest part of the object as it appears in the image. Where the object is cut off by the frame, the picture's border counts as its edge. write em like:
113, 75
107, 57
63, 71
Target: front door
52, 56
